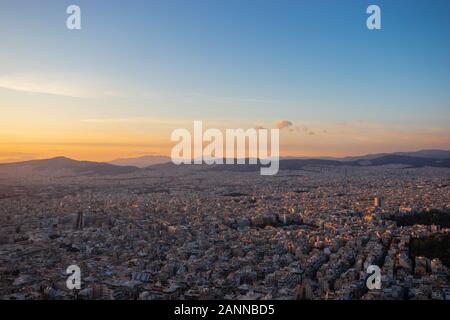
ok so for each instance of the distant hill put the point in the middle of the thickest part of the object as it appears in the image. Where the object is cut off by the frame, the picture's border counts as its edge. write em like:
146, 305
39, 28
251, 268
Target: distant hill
404, 160
140, 162
430, 154
65, 165
299, 164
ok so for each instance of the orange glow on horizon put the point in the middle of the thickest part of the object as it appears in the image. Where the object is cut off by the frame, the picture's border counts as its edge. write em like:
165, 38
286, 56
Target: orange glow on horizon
107, 140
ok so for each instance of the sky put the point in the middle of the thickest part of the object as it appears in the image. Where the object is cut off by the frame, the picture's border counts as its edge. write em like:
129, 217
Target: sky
139, 69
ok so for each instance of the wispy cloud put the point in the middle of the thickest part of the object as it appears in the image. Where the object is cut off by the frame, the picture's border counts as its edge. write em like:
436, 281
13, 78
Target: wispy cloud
62, 84
119, 120
156, 122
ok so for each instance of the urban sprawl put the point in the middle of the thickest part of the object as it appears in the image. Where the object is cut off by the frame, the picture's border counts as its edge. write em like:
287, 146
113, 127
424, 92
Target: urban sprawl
189, 232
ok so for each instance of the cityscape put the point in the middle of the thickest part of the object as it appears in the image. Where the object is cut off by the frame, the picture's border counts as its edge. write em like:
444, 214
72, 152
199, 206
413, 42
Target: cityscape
194, 232
193, 156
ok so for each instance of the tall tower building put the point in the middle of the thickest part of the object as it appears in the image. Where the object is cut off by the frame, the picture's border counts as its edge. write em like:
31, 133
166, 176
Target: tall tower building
378, 201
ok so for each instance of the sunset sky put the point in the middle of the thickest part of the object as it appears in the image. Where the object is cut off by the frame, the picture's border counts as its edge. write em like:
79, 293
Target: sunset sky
139, 69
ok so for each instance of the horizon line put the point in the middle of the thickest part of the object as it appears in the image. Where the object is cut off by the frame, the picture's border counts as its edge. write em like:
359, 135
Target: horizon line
12, 161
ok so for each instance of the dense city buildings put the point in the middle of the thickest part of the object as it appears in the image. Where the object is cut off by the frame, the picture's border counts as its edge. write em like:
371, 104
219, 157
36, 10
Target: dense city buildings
190, 232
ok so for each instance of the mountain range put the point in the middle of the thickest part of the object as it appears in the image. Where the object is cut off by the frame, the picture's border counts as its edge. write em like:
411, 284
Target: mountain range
63, 165
140, 162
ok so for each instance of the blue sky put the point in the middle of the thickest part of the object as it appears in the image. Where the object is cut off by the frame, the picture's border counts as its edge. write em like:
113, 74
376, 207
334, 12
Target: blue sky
305, 61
